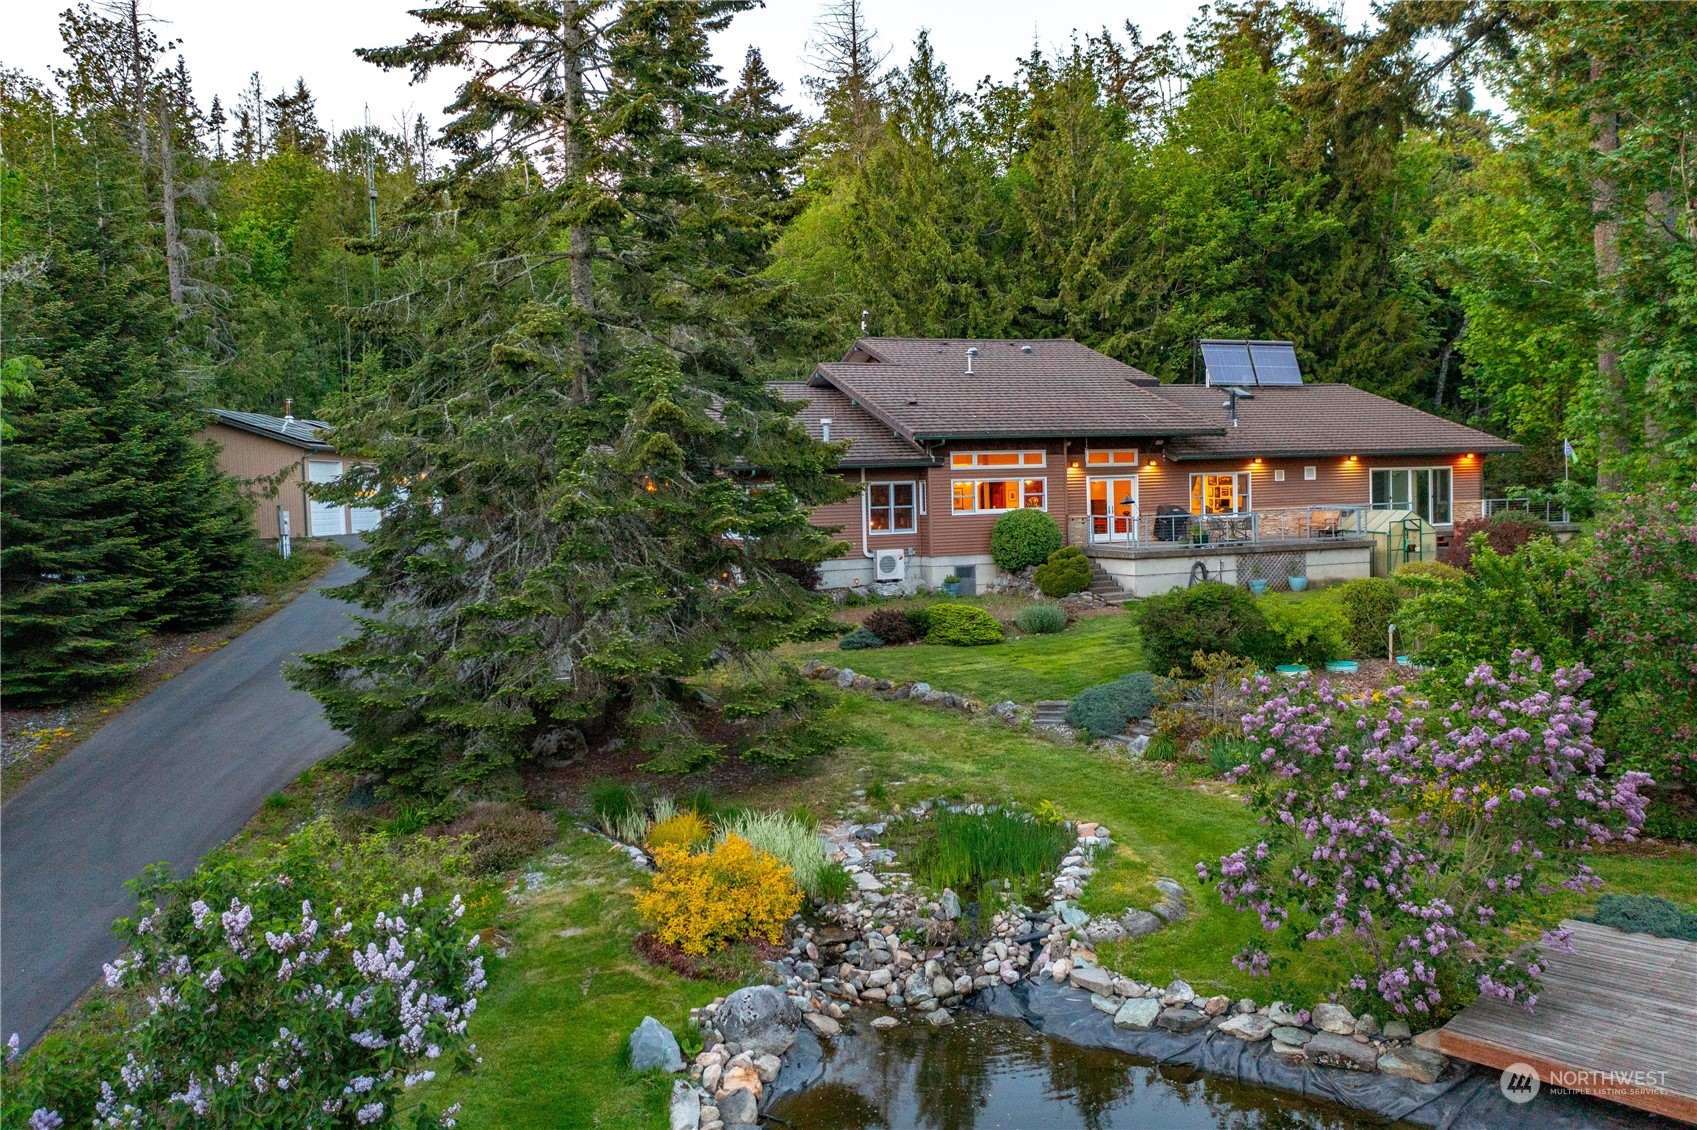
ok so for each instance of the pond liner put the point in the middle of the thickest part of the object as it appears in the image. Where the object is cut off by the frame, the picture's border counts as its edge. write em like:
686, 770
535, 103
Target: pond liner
1469, 1100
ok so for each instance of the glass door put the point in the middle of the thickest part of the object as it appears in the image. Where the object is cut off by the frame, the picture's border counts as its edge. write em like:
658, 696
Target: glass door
1113, 509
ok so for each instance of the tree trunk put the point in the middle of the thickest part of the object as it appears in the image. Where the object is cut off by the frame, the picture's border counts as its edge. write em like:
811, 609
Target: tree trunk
168, 192
138, 77
578, 248
1614, 443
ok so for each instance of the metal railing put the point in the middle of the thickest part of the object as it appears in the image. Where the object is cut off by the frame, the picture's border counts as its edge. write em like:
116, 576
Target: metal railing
1551, 511
1256, 527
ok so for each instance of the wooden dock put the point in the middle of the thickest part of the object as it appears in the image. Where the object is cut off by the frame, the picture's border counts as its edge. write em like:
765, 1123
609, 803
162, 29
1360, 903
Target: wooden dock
1620, 1004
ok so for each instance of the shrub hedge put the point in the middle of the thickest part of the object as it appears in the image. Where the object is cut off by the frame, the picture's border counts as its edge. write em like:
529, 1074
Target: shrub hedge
1042, 619
1209, 617
1302, 629
1065, 572
962, 625
1105, 710
919, 620
891, 625
1505, 531
1023, 538
1371, 605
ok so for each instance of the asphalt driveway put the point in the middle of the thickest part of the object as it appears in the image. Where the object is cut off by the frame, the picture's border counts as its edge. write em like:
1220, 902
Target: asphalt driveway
168, 779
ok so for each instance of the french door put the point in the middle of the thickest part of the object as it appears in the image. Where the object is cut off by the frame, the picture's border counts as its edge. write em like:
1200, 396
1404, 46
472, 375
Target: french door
1113, 509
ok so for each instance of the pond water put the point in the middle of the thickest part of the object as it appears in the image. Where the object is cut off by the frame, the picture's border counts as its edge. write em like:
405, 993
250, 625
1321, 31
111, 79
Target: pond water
987, 1072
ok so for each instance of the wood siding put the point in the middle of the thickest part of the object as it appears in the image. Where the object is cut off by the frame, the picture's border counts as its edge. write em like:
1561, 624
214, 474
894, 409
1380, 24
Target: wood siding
256, 462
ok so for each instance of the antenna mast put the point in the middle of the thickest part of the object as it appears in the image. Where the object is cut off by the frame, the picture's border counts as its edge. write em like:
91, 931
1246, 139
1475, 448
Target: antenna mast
371, 191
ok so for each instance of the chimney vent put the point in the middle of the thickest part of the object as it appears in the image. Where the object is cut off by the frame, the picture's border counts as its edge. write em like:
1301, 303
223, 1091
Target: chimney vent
288, 411
1025, 349
971, 352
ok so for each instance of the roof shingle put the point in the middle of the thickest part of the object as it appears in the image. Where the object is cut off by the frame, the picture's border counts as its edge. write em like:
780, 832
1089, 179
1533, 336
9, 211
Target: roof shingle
309, 434
873, 445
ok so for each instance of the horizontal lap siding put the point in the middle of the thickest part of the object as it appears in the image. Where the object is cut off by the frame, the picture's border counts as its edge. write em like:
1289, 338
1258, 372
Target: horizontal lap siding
954, 534
255, 460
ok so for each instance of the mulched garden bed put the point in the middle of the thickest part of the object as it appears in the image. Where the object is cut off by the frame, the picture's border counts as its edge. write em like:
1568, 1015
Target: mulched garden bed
726, 965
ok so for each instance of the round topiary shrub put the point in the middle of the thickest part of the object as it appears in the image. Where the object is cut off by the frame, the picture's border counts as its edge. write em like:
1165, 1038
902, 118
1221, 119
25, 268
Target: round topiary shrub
1023, 538
1067, 571
1105, 710
859, 640
1209, 617
1042, 619
892, 625
962, 625
1371, 604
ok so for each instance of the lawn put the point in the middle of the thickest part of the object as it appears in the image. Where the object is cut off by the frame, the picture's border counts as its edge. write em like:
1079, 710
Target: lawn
1096, 649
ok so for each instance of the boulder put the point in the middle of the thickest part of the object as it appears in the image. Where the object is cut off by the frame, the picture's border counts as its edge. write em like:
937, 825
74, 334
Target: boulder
1178, 1019
1333, 1018
1217, 1006
948, 905
1282, 1013
962, 985
1169, 910
1137, 923
878, 978
1366, 1026
884, 1022
1295, 1037
741, 1105
1109, 1005
767, 1067
1398, 1030
1062, 969
1333, 1050
686, 1107
1417, 1064
823, 1026
940, 1018
1427, 1040
1178, 993
1248, 1027
1139, 1014
845, 679
739, 1077
1093, 979
1172, 889
759, 1018
1073, 916
919, 690
653, 1045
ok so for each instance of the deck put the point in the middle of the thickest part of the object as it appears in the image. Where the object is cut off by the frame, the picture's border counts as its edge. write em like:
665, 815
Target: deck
1620, 1003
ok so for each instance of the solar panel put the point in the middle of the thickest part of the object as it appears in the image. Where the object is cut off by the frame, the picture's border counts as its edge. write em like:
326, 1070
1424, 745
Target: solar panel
1275, 363
1227, 363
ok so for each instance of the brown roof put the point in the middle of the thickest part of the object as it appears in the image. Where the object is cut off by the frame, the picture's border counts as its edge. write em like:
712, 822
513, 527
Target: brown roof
1320, 419
873, 445
1018, 389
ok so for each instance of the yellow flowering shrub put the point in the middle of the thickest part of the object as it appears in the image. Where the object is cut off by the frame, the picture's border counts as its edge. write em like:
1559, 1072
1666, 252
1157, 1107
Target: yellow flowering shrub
704, 902
686, 829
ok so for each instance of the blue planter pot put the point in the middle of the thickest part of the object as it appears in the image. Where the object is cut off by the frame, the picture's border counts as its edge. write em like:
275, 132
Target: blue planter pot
951, 588
1258, 585
1297, 584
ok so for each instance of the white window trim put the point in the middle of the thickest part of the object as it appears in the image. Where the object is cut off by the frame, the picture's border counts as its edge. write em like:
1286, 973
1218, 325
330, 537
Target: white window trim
1136, 458
1429, 468
1310, 473
1021, 480
866, 508
1248, 493
1041, 453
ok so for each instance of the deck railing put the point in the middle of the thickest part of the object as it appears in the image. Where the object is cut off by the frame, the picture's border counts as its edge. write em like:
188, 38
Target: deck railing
1297, 523
1552, 511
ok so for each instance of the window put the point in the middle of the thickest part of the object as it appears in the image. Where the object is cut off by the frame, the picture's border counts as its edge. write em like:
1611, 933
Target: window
964, 459
1279, 475
1310, 473
1424, 490
980, 496
890, 508
1122, 456
1219, 494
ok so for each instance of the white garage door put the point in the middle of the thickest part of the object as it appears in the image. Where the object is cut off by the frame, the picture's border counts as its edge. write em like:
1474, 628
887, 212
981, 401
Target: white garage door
364, 518
326, 518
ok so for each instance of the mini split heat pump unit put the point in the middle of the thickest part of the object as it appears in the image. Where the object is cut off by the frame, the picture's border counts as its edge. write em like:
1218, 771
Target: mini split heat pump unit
889, 566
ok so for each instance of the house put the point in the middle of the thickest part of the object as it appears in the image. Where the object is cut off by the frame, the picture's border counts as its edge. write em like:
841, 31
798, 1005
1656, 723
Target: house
274, 457
1252, 472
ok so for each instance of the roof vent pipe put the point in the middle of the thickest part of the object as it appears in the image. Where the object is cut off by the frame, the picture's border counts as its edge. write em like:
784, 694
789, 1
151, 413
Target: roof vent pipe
1025, 349
288, 410
971, 352
825, 429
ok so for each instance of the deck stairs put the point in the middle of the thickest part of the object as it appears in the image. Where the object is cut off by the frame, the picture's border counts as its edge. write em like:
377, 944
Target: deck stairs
1104, 587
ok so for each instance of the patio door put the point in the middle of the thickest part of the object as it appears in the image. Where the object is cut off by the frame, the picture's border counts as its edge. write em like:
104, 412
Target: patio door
1113, 509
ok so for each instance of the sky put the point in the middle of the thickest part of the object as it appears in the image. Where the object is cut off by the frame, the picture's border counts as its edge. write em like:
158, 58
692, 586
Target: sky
224, 41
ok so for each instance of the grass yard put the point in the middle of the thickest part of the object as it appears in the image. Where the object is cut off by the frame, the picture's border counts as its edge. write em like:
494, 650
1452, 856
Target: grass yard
1096, 649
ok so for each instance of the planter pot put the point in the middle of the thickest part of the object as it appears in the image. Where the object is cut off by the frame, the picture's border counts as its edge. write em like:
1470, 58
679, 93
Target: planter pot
1291, 670
1343, 666
951, 588
1297, 584
1258, 585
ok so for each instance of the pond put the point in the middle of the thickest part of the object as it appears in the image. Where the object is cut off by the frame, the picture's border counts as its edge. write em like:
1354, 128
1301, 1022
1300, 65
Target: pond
987, 1072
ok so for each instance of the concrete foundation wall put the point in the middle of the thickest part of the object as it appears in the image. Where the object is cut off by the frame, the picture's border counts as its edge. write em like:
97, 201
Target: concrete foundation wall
1155, 574
855, 572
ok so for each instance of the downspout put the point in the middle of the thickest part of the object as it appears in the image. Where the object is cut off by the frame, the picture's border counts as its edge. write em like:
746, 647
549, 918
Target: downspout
1066, 490
865, 546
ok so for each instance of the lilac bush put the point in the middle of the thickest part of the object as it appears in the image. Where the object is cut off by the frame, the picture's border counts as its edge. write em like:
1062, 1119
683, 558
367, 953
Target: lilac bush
1415, 833
270, 1003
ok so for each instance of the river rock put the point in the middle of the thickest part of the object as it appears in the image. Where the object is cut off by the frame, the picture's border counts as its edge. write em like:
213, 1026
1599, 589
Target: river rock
1248, 1027
1366, 1027
878, 978
1109, 1005
1294, 1037
963, 985
739, 1077
1178, 1019
948, 905
1009, 975
760, 1018
1073, 916
767, 1067
845, 679
883, 1023
1138, 923
739, 1106
1172, 889
1333, 1050
823, 1026
1093, 979
1245, 1005
653, 1045
1062, 969
1417, 1064
1281, 1013
1397, 1030
1427, 1040
1216, 1006
1138, 1014
1333, 1018
710, 1077
685, 1113
1178, 993
940, 1018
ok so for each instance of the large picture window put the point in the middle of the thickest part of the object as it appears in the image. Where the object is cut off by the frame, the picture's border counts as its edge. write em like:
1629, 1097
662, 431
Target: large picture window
962, 460
890, 508
989, 496
1219, 494
1427, 491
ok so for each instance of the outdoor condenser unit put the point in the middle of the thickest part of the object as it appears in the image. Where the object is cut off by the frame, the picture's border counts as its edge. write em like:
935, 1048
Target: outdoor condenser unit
889, 566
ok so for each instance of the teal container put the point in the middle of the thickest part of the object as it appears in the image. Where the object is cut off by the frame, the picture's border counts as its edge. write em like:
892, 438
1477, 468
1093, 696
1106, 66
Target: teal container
1297, 584
1343, 666
1291, 670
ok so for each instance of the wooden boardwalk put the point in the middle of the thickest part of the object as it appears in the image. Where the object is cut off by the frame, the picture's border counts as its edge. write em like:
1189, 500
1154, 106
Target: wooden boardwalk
1620, 1004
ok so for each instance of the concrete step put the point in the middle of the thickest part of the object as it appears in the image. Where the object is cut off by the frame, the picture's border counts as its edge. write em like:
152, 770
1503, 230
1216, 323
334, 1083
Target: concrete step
1103, 585
1052, 711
